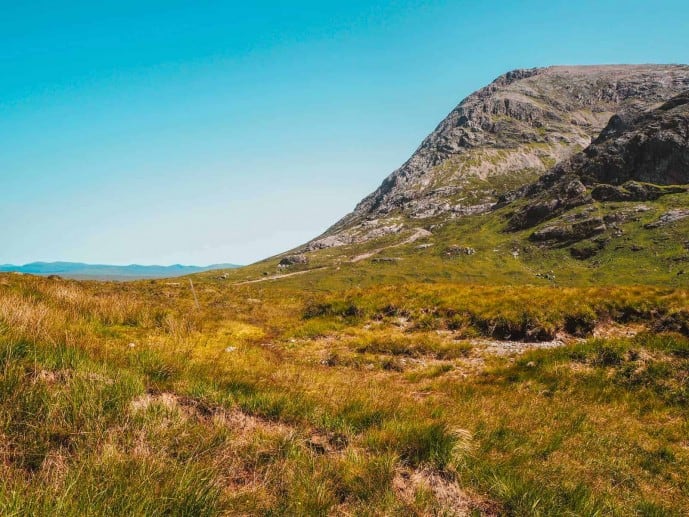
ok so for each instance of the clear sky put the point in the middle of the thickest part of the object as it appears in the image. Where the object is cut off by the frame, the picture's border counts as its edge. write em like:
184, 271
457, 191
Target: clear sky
200, 132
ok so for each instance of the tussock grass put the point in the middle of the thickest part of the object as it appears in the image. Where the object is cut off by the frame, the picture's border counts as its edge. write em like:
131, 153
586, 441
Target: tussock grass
412, 346
125, 399
517, 313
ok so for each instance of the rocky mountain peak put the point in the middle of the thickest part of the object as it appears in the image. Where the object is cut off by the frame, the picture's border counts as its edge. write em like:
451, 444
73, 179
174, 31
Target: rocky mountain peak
504, 136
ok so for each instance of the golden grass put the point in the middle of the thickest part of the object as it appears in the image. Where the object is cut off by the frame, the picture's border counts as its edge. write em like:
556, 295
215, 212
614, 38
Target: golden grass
124, 399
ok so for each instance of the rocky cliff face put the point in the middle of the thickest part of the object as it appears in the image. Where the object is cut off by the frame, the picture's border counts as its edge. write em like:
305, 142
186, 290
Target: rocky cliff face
505, 136
639, 156
651, 146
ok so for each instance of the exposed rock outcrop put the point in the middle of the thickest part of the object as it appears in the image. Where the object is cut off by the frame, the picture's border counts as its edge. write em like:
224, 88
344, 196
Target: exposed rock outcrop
668, 218
632, 191
636, 158
292, 260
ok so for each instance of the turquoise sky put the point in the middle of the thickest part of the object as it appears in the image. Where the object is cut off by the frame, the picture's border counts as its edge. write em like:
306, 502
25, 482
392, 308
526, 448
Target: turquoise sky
200, 132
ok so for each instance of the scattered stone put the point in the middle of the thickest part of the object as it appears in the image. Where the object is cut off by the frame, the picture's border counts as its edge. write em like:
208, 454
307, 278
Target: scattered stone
456, 251
331, 359
617, 231
668, 218
53, 376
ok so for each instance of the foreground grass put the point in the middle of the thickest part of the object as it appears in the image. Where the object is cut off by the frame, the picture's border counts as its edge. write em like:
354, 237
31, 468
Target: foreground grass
276, 400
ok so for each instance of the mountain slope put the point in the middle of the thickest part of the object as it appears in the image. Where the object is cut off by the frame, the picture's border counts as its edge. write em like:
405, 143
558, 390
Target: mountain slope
502, 137
613, 209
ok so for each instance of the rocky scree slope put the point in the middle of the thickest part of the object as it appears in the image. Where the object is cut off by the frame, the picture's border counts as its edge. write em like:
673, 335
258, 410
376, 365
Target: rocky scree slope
502, 137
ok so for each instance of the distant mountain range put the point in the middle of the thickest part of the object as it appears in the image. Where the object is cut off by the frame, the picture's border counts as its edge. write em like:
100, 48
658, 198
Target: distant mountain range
79, 271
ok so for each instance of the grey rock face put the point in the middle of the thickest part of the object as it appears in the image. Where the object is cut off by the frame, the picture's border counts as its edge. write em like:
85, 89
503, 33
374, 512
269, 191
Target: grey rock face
652, 147
550, 196
292, 260
365, 231
641, 158
502, 135
570, 233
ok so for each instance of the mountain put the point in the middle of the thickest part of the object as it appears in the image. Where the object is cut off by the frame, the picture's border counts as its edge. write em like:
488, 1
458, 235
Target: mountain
502, 137
81, 271
572, 175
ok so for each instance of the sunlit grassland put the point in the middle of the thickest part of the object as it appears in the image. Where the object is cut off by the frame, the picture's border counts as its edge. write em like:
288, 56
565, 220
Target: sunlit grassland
631, 255
291, 398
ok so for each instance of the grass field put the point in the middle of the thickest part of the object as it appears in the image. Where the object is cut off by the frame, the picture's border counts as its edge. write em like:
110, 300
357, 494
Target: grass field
325, 394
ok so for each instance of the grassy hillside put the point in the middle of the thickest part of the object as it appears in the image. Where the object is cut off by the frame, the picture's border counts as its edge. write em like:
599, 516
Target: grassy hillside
418, 386
627, 253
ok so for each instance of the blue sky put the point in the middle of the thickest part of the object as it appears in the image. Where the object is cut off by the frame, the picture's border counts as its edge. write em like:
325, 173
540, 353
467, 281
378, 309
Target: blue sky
201, 132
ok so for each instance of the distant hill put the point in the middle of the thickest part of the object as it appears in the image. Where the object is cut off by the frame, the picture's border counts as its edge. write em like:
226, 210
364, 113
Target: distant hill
79, 271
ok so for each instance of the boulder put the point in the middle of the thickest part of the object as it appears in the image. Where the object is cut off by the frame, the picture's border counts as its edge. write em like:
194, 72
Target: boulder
291, 260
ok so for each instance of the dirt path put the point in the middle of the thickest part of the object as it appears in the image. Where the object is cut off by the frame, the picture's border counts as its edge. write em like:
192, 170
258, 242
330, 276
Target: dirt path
420, 233
278, 277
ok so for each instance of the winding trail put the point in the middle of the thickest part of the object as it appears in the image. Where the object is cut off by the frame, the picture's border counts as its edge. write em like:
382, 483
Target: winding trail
278, 277
420, 233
